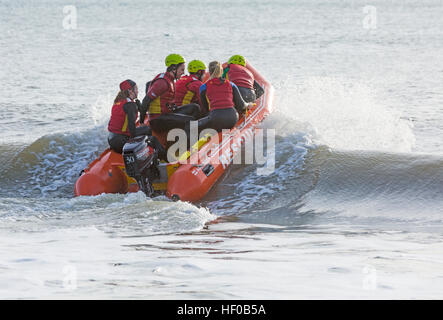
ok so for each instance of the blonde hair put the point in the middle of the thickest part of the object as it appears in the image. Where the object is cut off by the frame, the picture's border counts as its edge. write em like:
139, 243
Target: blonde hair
121, 95
215, 70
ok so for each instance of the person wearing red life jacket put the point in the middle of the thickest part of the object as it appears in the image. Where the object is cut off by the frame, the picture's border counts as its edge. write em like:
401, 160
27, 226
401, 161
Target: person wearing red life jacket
159, 99
122, 125
223, 100
187, 88
237, 72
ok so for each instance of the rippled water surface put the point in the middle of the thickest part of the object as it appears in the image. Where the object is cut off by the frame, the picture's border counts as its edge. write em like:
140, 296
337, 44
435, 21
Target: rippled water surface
353, 209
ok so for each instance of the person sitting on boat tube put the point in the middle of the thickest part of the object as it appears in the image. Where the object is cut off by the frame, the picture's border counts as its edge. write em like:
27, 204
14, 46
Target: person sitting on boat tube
163, 114
122, 125
237, 72
223, 100
187, 88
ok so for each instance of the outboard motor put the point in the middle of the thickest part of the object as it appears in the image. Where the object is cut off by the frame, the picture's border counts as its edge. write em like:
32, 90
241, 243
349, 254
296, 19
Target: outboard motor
141, 161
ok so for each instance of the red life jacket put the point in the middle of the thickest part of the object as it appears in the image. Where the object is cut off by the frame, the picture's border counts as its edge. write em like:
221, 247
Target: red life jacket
158, 105
119, 119
187, 90
219, 94
241, 76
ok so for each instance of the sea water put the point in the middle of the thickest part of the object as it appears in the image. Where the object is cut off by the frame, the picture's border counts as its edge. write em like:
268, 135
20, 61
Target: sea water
353, 209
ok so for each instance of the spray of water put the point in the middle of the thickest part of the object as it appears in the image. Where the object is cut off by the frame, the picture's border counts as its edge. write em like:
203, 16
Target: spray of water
100, 111
345, 115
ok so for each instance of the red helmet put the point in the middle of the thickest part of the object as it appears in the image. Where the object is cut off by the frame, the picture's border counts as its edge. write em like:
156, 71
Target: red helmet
127, 84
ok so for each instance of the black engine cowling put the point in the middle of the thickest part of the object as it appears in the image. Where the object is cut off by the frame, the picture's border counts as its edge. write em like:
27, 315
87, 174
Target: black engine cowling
141, 161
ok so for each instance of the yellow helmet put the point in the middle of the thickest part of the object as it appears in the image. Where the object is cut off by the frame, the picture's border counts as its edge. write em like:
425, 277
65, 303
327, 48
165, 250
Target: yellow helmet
237, 59
195, 66
174, 58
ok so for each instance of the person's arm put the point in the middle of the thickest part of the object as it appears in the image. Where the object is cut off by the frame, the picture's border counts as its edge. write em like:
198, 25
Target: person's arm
203, 100
239, 104
148, 84
131, 111
143, 108
158, 88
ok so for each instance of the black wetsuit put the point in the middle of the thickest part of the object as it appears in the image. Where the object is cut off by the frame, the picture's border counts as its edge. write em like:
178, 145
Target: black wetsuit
178, 118
250, 95
220, 119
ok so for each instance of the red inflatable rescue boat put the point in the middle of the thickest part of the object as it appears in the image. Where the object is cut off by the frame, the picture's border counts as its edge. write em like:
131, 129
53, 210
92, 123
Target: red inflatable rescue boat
193, 174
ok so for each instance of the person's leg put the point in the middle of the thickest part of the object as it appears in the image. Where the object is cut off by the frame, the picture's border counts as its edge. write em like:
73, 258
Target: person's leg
154, 143
170, 121
203, 123
143, 130
224, 119
218, 120
117, 141
258, 89
191, 109
156, 125
247, 94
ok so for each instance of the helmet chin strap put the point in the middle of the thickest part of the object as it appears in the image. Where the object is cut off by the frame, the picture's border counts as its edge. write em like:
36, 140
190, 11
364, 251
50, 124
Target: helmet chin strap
174, 72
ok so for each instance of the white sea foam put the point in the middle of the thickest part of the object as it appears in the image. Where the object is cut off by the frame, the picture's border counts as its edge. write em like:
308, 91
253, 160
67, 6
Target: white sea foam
345, 115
